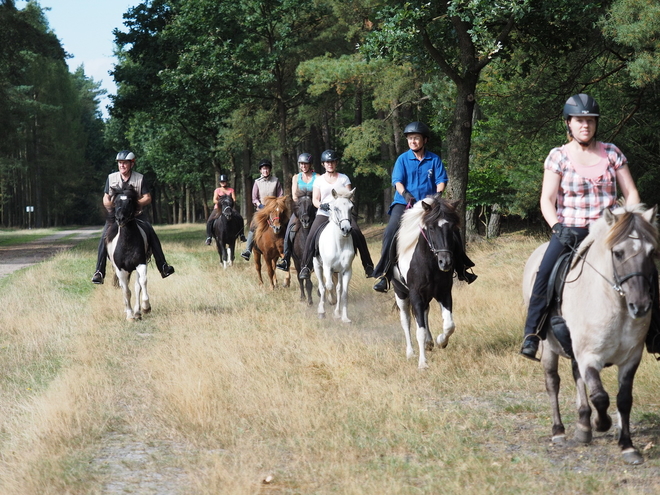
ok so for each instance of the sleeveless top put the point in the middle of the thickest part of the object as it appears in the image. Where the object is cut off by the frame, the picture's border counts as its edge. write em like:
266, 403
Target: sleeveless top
267, 187
326, 189
306, 186
115, 181
228, 191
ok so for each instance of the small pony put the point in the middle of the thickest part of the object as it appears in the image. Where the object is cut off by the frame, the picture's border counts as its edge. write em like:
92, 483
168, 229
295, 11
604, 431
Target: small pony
271, 222
305, 213
424, 270
336, 254
606, 305
226, 229
129, 251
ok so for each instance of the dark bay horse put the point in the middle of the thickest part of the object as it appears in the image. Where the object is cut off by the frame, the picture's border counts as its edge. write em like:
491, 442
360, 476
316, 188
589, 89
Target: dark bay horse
226, 229
606, 305
305, 214
424, 270
271, 222
129, 251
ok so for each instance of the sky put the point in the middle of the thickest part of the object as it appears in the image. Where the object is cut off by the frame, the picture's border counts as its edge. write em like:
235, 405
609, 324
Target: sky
84, 27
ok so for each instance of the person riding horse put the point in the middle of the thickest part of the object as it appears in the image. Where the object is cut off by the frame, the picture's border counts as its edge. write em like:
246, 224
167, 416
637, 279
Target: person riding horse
304, 181
580, 182
265, 186
221, 190
322, 195
417, 174
117, 180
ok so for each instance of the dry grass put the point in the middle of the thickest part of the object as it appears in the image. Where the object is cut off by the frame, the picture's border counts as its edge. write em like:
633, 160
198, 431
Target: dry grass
228, 384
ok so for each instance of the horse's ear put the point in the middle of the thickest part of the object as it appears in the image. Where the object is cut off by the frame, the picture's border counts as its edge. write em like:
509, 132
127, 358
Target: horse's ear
334, 194
426, 206
649, 215
609, 217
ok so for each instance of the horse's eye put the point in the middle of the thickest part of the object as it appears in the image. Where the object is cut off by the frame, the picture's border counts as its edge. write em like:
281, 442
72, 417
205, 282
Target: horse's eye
618, 254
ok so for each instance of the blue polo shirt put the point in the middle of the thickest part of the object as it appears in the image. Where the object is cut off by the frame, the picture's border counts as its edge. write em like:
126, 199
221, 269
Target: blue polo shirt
419, 177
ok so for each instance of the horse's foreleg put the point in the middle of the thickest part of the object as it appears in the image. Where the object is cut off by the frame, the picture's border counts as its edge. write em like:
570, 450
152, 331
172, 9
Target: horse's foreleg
257, 265
270, 268
583, 427
599, 398
330, 286
550, 362
309, 286
624, 402
145, 305
318, 269
428, 340
124, 279
420, 310
341, 311
448, 325
404, 317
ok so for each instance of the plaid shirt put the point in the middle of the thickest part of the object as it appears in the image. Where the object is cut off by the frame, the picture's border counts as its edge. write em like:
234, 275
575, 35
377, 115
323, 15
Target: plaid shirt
581, 200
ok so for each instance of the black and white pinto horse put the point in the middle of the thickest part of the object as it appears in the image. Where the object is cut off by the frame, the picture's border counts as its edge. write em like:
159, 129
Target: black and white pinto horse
129, 251
226, 229
305, 214
424, 270
606, 306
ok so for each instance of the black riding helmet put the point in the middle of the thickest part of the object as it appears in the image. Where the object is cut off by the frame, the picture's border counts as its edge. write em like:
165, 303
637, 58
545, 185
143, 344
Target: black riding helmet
265, 163
329, 156
417, 128
305, 158
581, 105
222, 178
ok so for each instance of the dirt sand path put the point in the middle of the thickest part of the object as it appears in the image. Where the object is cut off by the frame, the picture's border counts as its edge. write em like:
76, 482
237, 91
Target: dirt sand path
19, 256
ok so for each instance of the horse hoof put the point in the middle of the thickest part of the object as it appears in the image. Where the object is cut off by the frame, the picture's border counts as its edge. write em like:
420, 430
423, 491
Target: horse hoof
423, 366
583, 436
428, 345
559, 439
321, 316
603, 426
347, 321
632, 457
146, 310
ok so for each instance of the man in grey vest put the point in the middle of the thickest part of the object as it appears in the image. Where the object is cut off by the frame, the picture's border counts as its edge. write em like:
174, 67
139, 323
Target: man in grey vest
264, 186
125, 163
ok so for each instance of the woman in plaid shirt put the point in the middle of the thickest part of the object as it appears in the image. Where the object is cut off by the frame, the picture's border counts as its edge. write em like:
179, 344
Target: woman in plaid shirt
580, 181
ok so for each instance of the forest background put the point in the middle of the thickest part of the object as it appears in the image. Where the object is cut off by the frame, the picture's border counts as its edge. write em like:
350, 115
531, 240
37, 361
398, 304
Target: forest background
208, 87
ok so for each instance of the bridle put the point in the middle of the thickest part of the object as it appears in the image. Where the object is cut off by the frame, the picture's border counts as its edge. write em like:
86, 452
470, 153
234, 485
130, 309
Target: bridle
436, 252
338, 221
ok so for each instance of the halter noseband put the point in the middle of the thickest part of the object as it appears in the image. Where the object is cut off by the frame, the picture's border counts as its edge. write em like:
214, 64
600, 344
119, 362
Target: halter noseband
436, 252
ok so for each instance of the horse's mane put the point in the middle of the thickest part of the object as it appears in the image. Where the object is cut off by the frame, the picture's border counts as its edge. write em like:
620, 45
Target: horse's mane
629, 219
417, 217
271, 203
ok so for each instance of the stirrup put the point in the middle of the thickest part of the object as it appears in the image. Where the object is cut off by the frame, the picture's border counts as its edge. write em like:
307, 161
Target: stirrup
530, 347
97, 279
383, 285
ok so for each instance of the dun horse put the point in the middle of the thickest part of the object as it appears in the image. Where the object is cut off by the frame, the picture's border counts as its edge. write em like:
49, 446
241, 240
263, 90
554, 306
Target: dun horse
424, 270
226, 229
129, 251
606, 305
305, 214
335, 255
271, 223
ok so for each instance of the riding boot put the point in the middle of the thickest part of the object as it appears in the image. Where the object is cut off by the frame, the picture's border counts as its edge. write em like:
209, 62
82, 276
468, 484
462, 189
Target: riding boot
250, 244
461, 261
360, 244
535, 316
156, 249
288, 245
102, 256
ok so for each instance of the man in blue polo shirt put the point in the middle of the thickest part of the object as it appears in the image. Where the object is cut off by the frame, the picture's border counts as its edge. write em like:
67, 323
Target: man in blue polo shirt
417, 173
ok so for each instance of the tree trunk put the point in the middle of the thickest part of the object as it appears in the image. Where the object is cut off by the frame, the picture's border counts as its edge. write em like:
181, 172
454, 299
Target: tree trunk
494, 222
459, 142
471, 231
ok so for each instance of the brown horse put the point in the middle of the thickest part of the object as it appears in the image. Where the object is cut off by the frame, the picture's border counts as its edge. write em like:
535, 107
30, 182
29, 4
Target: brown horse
270, 223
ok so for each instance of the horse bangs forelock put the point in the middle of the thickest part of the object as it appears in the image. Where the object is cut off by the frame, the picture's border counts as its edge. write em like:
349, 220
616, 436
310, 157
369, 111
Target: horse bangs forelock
628, 222
411, 222
300, 193
442, 210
